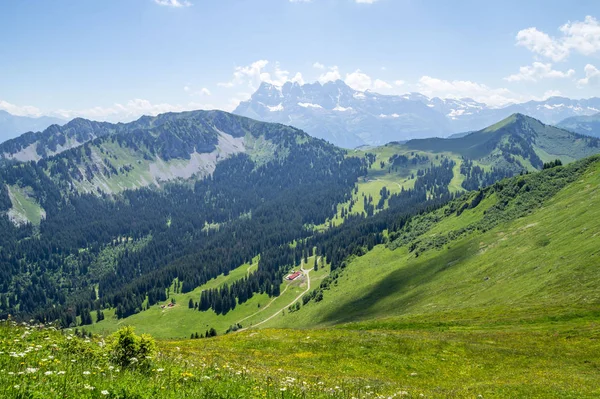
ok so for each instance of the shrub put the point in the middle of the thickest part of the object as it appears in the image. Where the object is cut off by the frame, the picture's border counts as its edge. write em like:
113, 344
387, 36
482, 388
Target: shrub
130, 350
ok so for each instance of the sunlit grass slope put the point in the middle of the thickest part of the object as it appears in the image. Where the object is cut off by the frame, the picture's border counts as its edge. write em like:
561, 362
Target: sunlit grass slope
535, 257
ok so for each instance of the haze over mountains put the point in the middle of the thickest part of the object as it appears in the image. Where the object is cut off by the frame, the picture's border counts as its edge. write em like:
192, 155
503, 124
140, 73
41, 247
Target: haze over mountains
13, 125
350, 118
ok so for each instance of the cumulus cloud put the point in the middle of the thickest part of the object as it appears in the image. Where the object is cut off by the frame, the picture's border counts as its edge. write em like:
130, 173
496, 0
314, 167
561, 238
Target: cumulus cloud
579, 36
331, 75
297, 79
399, 83
318, 65
435, 87
20, 110
173, 3
592, 76
358, 80
202, 92
381, 85
538, 71
252, 75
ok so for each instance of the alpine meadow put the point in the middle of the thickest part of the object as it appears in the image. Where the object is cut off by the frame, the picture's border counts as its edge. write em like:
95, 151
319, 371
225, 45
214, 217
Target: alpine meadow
286, 199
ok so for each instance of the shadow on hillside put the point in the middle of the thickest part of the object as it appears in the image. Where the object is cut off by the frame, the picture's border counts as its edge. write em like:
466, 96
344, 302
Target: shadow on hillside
407, 284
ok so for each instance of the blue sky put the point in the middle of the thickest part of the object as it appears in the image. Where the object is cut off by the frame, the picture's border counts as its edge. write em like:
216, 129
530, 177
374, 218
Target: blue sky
118, 59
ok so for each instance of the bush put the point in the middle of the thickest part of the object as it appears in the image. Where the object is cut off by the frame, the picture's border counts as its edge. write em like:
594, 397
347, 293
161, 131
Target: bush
130, 350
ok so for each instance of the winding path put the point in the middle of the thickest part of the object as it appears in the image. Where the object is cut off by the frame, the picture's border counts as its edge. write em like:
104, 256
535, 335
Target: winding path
305, 273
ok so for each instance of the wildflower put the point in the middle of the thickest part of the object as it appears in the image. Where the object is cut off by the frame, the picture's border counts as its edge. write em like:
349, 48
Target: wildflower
133, 360
49, 373
31, 370
61, 372
160, 370
17, 386
104, 392
86, 373
89, 387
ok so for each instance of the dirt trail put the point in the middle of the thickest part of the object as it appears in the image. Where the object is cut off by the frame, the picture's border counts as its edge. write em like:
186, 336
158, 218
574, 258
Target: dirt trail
306, 273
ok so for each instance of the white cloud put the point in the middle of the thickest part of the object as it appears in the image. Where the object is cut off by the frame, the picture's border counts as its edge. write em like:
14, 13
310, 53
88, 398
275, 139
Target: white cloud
202, 92
131, 110
332, 75
538, 71
592, 76
23, 110
252, 75
358, 80
318, 65
434, 87
582, 37
297, 79
399, 83
173, 3
381, 85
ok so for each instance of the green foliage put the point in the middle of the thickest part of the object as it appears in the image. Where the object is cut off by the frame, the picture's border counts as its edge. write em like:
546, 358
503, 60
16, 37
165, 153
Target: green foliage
130, 350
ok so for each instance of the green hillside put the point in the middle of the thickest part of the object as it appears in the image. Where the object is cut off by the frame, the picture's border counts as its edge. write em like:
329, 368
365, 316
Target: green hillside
493, 295
518, 142
520, 251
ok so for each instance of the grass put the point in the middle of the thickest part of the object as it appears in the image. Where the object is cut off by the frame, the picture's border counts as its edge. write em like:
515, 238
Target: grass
24, 207
180, 322
512, 312
42, 363
527, 266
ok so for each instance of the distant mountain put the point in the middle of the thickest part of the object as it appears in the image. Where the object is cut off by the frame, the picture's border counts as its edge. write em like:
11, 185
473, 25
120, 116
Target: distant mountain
589, 125
515, 143
13, 125
91, 157
343, 116
351, 118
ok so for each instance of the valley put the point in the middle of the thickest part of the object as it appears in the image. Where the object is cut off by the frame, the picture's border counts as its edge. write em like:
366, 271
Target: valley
442, 265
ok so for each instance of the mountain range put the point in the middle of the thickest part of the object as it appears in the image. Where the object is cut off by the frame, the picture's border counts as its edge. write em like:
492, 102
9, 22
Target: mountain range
13, 125
130, 207
350, 118
588, 124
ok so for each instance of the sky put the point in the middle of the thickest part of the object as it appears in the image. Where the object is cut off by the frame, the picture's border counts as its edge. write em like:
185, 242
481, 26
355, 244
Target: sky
116, 60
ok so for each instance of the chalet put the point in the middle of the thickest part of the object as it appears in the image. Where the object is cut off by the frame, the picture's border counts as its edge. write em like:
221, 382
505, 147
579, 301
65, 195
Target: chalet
294, 276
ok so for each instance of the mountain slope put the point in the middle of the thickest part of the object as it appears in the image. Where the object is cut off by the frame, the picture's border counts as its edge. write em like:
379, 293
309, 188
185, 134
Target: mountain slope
521, 251
518, 142
90, 157
255, 188
13, 125
588, 125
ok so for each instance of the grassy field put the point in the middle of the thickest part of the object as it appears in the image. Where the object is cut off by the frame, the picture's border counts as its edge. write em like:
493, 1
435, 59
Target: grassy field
511, 312
542, 265
180, 322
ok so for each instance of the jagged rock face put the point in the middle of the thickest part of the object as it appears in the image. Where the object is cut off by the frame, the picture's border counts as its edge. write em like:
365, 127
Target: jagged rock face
350, 118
